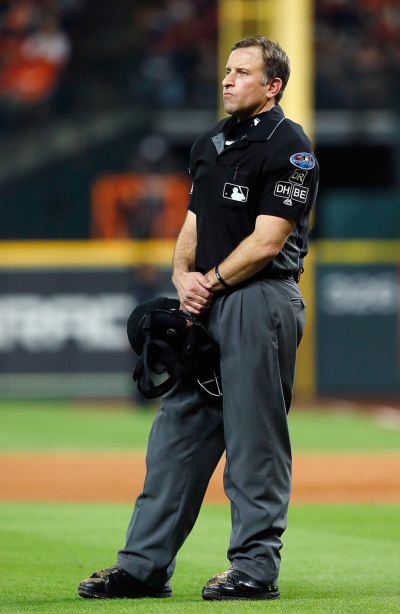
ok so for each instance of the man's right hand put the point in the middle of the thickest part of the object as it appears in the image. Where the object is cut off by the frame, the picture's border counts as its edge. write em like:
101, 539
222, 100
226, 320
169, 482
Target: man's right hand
194, 292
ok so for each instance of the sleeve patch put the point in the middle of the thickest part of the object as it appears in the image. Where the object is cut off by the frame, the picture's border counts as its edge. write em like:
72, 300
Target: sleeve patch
290, 191
298, 176
303, 160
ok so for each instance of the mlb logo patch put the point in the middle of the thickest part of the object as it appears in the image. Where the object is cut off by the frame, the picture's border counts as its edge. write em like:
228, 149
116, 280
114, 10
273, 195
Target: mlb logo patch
236, 192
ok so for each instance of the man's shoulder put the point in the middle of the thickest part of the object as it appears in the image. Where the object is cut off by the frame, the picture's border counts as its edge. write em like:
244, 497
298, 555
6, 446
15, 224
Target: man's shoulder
292, 132
289, 143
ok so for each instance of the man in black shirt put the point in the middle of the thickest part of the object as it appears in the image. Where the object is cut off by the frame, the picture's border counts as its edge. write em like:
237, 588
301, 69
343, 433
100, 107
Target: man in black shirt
236, 263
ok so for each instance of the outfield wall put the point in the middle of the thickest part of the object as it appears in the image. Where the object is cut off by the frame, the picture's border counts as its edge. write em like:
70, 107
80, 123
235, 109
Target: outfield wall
64, 306
63, 313
357, 287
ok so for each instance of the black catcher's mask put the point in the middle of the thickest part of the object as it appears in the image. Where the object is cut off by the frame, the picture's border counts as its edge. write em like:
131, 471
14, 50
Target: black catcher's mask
171, 344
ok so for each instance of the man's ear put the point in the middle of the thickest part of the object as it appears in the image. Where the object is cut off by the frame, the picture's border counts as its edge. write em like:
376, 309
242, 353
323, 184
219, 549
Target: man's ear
274, 87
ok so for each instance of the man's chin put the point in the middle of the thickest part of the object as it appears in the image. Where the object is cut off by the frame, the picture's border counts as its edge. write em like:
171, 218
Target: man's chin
229, 108
230, 112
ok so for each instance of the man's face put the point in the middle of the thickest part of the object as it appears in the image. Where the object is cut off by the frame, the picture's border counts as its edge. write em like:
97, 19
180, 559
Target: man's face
243, 92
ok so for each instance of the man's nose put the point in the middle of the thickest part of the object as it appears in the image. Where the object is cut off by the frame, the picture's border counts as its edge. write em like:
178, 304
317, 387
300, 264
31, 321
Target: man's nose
228, 80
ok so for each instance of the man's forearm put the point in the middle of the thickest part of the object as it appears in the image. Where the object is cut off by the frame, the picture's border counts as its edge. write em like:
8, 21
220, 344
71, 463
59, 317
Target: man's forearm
253, 253
194, 290
244, 262
184, 253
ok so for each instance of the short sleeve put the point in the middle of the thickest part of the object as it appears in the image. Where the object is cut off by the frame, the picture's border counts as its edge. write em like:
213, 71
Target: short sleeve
288, 188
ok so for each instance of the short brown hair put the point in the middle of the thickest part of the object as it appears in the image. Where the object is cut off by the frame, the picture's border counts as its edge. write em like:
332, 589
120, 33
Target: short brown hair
276, 62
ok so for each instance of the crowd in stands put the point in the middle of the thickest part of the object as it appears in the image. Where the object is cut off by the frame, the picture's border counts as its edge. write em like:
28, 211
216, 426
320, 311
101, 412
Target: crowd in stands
161, 53
167, 51
34, 50
357, 50
175, 44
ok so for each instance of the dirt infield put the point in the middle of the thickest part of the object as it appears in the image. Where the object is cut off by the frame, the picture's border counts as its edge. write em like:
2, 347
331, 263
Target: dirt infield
118, 478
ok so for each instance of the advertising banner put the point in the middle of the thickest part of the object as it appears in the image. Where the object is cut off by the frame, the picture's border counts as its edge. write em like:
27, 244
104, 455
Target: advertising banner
63, 332
358, 311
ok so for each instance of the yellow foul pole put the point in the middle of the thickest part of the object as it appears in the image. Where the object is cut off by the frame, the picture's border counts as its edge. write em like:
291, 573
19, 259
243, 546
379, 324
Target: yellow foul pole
295, 35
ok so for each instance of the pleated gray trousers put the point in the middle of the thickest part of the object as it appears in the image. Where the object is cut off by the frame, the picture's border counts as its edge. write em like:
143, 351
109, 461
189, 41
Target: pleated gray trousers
258, 328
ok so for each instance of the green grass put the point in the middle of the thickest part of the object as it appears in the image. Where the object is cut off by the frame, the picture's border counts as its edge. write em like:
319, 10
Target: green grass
341, 431
47, 425
335, 559
64, 426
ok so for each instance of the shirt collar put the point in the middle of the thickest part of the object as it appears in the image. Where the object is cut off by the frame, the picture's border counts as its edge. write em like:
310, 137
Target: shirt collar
261, 126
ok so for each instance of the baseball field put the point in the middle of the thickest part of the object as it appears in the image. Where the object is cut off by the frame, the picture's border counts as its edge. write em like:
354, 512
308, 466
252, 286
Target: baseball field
70, 472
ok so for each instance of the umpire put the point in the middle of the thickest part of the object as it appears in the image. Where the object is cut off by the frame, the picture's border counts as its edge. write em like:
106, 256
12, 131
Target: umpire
236, 263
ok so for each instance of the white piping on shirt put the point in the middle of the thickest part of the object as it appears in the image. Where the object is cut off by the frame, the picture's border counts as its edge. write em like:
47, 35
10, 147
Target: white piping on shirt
283, 118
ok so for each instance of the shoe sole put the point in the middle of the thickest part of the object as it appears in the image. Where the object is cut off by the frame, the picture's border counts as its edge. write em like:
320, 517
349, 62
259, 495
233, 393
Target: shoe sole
212, 595
86, 593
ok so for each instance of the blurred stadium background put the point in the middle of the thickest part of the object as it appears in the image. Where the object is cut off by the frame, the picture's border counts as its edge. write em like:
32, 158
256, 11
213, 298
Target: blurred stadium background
100, 103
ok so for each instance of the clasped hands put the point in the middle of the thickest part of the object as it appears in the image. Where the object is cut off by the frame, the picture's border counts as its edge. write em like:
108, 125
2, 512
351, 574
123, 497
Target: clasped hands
194, 292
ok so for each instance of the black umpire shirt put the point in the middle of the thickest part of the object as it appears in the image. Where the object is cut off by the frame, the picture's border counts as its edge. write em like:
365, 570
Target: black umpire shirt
262, 166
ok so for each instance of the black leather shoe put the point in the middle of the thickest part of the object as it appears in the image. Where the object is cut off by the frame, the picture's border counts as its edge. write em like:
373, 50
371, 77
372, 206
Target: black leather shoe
233, 584
116, 583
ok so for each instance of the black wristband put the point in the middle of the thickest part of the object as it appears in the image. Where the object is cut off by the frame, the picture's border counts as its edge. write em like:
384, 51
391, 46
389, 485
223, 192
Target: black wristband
218, 276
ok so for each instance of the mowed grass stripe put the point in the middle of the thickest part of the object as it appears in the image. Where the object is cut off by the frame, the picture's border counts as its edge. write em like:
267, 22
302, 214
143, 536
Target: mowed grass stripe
34, 426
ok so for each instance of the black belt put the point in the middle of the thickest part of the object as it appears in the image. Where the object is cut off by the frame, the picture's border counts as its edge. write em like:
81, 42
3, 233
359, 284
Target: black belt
275, 275
284, 275
264, 274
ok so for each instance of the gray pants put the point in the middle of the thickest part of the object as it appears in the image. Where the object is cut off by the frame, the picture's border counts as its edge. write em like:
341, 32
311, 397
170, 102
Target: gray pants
258, 328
